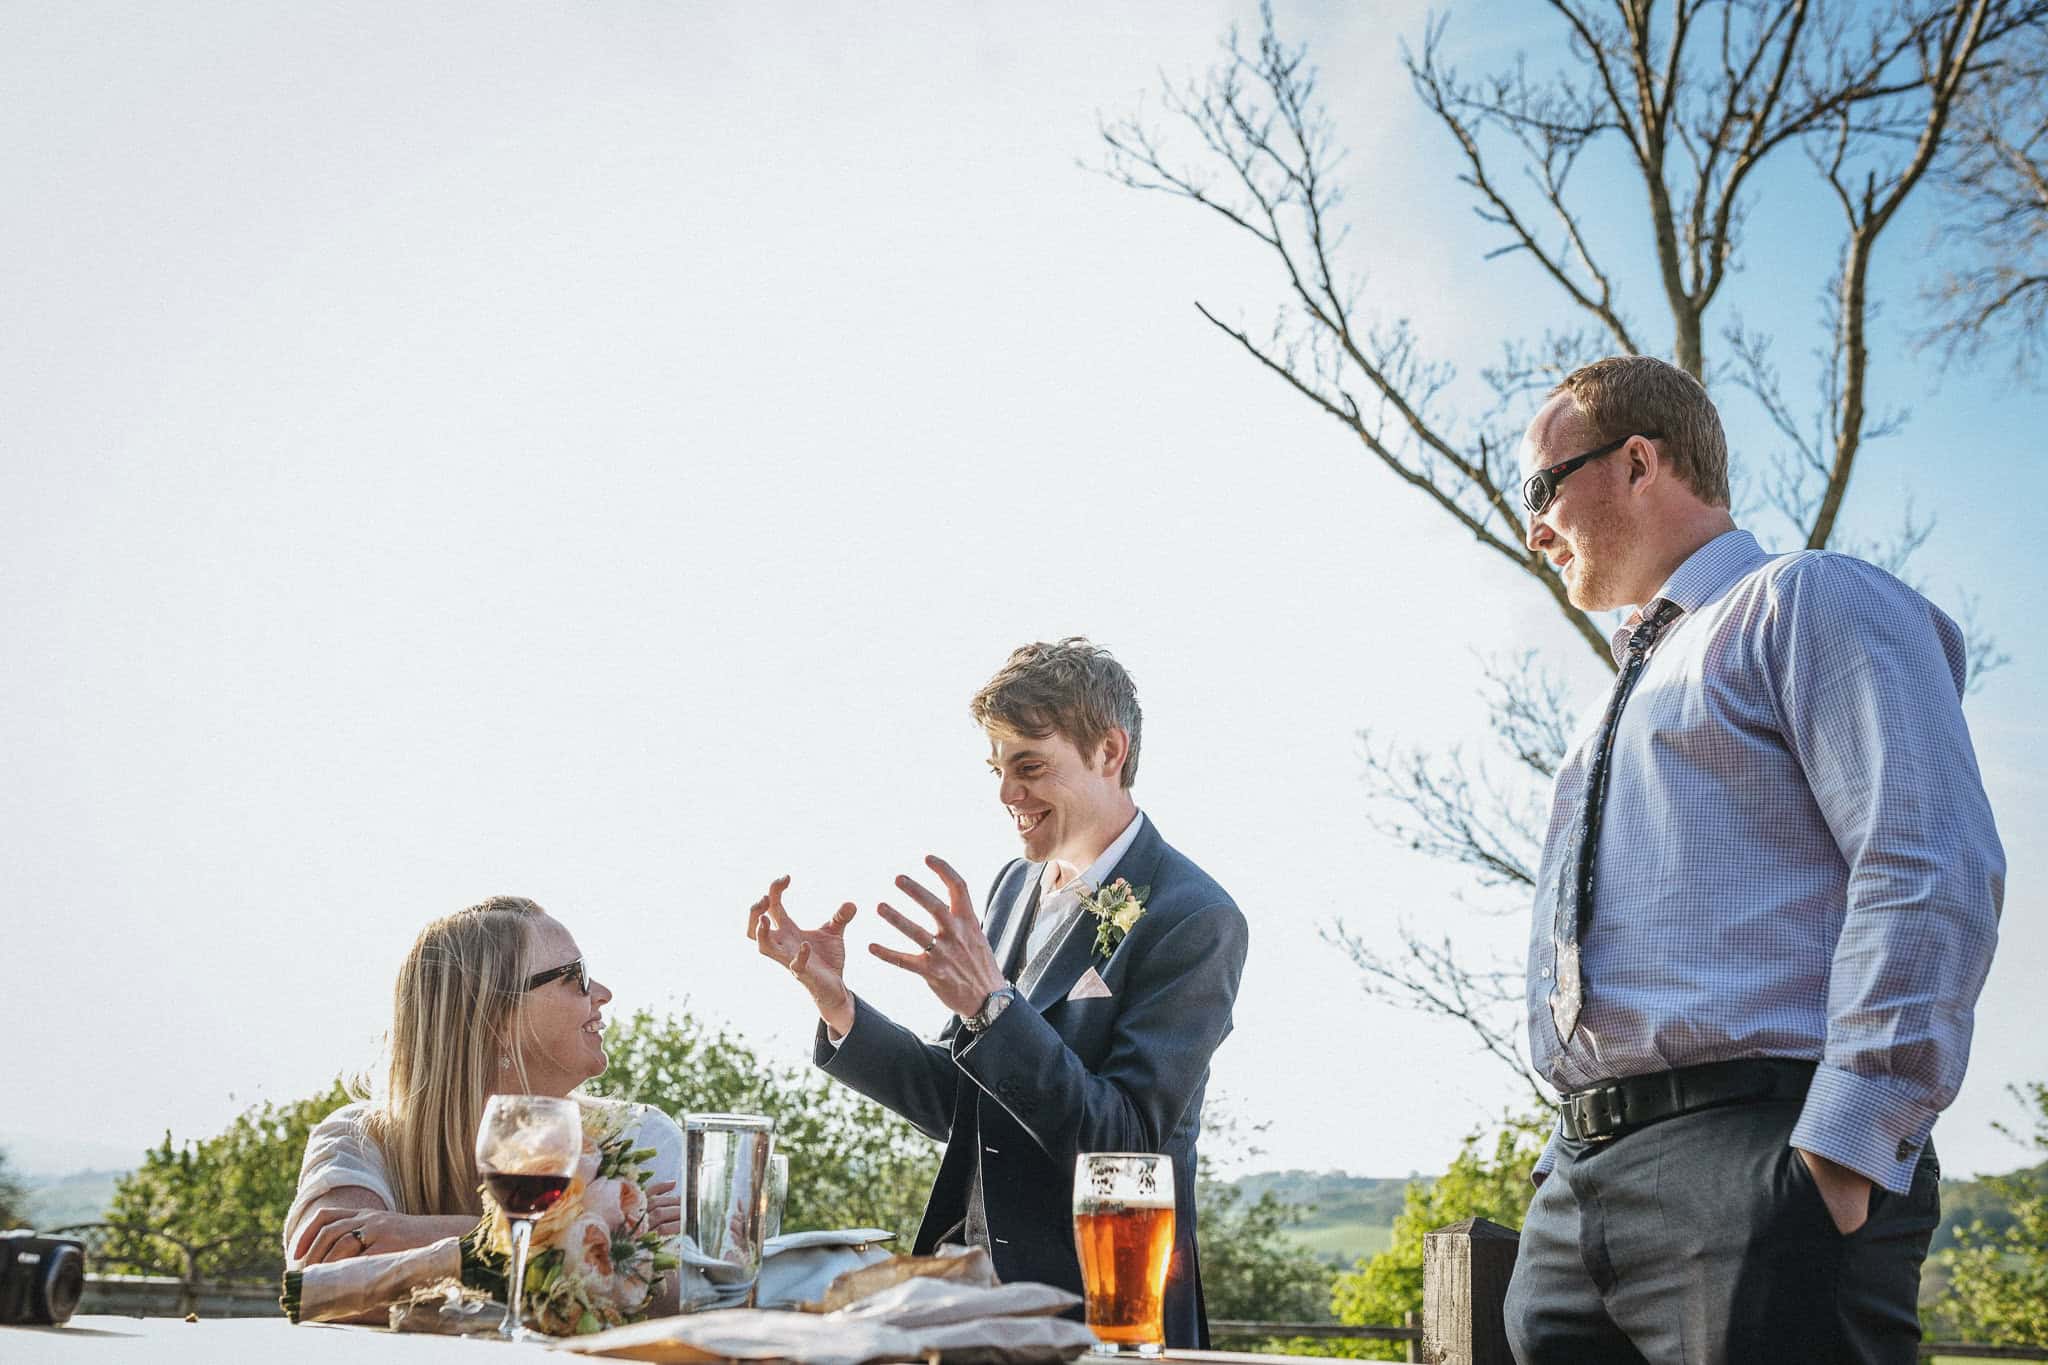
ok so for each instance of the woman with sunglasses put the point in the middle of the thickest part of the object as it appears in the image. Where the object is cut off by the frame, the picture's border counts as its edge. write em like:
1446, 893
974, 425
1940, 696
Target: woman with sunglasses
492, 999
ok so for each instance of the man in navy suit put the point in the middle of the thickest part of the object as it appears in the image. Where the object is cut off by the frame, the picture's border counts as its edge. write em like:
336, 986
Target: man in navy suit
1055, 1047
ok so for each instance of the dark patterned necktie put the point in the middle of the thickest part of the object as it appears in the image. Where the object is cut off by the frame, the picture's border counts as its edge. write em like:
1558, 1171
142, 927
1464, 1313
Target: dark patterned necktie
1575, 878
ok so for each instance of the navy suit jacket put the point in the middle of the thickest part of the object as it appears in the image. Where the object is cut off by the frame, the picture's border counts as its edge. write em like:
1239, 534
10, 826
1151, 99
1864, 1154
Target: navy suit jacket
1053, 1077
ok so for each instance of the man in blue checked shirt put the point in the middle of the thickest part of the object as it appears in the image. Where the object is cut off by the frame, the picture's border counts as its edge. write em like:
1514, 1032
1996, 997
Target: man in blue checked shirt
1768, 899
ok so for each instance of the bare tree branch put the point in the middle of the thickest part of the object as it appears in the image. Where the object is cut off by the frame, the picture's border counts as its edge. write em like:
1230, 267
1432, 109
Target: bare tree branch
1705, 95
1430, 977
1995, 184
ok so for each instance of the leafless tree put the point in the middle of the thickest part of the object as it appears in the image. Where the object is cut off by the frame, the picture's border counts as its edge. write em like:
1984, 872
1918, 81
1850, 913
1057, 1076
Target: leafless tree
1697, 97
1997, 181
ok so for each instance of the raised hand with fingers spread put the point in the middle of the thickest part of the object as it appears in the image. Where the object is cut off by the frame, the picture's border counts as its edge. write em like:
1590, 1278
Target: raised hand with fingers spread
815, 957
955, 959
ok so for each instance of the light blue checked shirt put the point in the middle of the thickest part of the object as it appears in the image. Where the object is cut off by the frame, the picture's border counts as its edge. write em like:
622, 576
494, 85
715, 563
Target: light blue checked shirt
1796, 857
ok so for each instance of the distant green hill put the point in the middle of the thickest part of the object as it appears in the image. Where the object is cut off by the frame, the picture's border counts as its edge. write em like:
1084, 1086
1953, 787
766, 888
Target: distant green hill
81, 1197
1344, 1216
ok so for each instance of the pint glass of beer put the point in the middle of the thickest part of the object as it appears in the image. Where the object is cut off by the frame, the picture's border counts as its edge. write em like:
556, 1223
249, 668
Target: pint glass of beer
1123, 1229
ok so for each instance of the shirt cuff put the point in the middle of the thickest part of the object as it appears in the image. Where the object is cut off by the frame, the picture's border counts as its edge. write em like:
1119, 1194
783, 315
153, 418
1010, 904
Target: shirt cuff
1541, 1171
1863, 1123
828, 1043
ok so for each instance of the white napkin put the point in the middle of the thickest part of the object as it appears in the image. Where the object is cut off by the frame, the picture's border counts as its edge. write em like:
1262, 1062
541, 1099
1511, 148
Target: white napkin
913, 1320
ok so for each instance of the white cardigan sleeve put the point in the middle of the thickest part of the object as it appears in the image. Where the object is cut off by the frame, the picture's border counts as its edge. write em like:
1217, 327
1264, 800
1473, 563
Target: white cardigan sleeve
339, 1152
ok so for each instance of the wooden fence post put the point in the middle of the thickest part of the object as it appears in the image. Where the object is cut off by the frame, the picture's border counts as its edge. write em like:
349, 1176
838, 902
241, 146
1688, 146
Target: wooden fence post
1465, 1270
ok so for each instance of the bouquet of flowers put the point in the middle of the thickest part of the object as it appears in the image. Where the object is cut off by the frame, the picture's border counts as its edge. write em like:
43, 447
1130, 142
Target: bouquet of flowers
595, 1259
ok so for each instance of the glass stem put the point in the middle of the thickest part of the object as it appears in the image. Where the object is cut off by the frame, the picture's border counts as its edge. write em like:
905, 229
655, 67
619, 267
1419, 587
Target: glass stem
522, 1234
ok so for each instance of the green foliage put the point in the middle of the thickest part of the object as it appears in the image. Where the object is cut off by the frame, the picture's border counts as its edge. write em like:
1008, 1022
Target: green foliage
851, 1162
13, 1197
1251, 1269
1998, 1278
228, 1193
1989, 1201
1488, 1179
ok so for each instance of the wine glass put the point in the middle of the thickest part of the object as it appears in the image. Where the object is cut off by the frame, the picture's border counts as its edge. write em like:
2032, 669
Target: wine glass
527, 1148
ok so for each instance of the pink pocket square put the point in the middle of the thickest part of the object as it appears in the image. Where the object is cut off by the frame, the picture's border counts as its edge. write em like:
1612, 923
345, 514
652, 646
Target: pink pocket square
1089, 987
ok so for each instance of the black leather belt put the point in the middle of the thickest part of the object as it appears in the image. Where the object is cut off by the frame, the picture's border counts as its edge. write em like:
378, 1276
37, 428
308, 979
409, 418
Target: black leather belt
1609, 1110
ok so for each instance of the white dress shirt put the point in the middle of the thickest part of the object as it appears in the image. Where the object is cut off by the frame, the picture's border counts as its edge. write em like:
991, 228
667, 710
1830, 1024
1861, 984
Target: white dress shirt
1798, 859
1060, 888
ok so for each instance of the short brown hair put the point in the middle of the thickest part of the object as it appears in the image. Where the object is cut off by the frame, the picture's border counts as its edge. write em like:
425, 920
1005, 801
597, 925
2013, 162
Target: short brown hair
1073, 689
1624, 394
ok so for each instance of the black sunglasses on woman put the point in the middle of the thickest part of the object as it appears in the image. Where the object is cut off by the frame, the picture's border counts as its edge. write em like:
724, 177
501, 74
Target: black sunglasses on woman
577, 969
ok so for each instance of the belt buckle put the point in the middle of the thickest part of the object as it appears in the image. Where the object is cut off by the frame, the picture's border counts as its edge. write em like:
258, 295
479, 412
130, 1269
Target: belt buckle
1605, 1108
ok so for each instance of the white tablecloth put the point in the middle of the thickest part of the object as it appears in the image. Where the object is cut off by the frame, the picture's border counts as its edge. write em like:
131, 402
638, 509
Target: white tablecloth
229, 1341
224, 1341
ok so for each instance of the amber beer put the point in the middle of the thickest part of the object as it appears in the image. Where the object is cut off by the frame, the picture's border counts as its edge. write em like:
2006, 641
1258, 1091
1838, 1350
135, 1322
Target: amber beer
1123, 1231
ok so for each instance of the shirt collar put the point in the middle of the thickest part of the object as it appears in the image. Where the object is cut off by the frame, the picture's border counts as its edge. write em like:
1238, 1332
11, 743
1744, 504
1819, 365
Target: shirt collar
1710, 569
1098, 869
1706, 574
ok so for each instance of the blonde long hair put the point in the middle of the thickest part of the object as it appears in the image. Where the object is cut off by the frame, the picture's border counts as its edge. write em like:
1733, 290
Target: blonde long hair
454, 1015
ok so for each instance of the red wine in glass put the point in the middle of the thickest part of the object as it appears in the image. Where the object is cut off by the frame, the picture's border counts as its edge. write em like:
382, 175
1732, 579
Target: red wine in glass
527, 1148
525, 1196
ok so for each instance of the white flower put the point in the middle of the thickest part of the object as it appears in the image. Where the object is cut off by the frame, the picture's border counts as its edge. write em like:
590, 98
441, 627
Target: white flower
622, 1203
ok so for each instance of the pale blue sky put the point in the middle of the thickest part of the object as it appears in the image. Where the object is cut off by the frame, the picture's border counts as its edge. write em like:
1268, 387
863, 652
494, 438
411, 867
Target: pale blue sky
594, 451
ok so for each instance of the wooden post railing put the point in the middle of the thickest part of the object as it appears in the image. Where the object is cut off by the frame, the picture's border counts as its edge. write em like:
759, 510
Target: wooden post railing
1465, 1271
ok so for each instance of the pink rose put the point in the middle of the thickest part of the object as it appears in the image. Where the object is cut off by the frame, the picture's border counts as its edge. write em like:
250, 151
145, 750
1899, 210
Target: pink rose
587, 1249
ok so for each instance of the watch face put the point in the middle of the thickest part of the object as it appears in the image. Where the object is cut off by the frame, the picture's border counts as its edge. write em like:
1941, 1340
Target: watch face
990, 1008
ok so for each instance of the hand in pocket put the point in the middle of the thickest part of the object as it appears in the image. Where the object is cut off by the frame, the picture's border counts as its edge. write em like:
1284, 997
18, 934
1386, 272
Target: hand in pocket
1845, 1192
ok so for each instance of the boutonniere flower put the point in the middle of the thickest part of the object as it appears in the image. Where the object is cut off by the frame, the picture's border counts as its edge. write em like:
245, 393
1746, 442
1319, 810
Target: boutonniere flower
1116, 908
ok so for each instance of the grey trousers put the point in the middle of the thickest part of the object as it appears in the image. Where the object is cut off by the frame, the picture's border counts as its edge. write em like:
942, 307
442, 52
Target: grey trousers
1703, 1239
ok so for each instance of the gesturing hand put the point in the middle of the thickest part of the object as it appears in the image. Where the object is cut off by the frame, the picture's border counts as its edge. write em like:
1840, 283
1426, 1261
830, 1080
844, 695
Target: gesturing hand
816, 957
956, 961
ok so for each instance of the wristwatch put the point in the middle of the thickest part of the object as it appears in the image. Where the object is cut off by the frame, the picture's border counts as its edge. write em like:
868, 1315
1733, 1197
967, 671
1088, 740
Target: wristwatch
997, 1002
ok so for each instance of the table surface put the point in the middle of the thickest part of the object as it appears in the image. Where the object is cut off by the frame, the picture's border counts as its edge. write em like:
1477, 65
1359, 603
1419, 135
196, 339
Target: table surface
106, 1340
116, 1341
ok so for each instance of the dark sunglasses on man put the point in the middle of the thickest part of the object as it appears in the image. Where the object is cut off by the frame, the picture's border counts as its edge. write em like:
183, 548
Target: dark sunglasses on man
1539, 488
576, 969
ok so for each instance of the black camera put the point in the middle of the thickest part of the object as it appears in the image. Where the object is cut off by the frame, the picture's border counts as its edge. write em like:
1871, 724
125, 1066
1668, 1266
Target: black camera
40, 1277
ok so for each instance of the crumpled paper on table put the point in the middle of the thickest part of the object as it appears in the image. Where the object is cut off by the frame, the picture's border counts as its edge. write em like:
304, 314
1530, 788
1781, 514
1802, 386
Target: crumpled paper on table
917, 1319
448, 1309
960, 1265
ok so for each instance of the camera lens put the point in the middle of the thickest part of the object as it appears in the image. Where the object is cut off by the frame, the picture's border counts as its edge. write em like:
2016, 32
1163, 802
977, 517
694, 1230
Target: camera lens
61, 1285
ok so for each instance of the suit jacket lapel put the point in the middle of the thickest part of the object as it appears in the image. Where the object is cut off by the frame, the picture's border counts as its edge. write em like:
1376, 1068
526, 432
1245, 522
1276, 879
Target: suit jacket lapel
1012, 895
1077, 945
